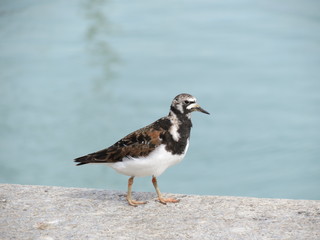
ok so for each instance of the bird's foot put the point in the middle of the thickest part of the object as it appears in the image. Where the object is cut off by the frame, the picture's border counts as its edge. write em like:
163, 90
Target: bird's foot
168, 200
135, 203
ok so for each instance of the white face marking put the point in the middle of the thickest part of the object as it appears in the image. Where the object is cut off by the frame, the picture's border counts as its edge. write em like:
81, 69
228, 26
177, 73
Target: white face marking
192, 106
180, 108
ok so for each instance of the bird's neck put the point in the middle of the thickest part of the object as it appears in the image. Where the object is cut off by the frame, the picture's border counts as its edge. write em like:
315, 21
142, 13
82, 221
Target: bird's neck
181, 124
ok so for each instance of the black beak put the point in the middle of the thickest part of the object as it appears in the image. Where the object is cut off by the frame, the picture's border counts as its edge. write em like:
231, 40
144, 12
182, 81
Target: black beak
200, 109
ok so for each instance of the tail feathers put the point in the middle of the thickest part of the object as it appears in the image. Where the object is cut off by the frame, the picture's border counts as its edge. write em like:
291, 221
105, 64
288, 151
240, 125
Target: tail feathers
90, 158
79, 164
108, 155
82, 160
97, 157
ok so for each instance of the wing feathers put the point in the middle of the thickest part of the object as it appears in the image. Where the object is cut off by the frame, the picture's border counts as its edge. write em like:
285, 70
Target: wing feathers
136, 144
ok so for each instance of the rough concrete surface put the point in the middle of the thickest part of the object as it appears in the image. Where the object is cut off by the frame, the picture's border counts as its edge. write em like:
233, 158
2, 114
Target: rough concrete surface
43, 212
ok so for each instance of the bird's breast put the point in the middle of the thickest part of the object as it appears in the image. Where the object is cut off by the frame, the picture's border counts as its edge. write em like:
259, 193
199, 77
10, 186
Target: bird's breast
152, 165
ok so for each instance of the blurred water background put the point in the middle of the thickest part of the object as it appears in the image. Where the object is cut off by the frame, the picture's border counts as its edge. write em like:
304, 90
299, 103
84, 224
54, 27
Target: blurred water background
76, 76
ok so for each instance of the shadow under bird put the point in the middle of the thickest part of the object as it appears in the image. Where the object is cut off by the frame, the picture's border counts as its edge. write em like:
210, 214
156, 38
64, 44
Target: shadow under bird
149, 151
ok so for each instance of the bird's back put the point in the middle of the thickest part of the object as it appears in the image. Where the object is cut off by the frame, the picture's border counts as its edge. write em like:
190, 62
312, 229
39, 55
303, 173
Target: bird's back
136, 144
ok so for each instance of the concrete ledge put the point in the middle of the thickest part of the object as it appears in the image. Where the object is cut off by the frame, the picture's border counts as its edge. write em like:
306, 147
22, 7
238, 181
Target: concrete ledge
42, 212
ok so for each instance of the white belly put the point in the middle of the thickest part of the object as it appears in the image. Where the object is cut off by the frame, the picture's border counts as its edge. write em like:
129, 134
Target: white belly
153, 165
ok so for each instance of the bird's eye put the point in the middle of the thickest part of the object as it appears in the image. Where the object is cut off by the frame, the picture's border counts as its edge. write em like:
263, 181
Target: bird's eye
186, 102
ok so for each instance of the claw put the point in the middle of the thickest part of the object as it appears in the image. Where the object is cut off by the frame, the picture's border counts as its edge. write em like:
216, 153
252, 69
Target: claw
168, 200
135, 203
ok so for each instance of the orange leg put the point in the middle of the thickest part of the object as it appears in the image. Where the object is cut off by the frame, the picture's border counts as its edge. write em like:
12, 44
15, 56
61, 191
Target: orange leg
129, 199
161, 199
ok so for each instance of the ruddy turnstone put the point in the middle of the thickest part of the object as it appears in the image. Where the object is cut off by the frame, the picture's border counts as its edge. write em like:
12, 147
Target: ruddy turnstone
149, 151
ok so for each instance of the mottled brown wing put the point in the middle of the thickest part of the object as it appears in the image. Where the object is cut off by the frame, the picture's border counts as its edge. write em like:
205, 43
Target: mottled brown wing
136, 144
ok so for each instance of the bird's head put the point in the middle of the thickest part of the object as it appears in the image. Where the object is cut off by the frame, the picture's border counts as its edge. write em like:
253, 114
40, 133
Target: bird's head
185, 103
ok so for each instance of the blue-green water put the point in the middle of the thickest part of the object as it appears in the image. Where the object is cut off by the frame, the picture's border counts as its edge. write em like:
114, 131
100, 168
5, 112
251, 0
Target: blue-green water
76, 76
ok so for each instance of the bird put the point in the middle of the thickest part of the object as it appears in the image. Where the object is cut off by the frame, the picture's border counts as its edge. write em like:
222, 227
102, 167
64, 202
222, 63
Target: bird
149, 151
